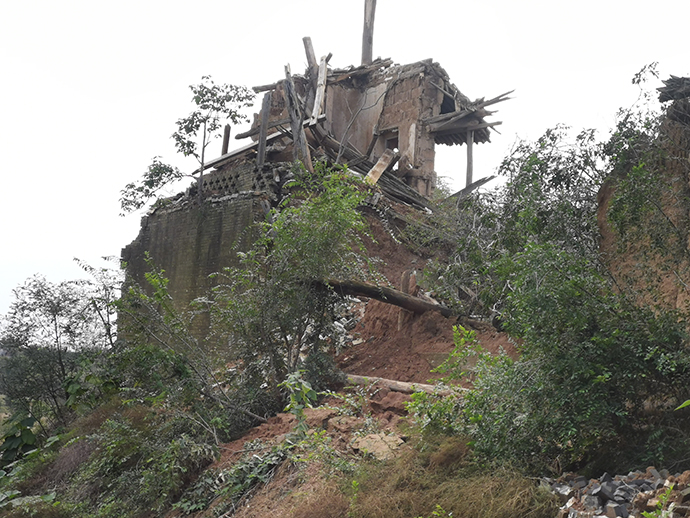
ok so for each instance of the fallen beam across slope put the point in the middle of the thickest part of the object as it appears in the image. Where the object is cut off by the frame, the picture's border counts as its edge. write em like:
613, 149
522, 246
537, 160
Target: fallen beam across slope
387, 295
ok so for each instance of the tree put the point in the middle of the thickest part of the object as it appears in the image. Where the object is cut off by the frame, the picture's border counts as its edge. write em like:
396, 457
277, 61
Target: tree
276, 318
215, 104
46, 331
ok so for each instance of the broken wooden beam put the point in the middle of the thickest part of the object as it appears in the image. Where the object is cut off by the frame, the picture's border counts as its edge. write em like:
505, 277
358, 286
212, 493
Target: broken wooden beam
264, 88
311, 57
387, 295
401, 386
387, 160
301, 149
320, 91
275, 124
226, 139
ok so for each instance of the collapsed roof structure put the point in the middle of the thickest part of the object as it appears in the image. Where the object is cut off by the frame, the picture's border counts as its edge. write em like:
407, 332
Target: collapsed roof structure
380, 118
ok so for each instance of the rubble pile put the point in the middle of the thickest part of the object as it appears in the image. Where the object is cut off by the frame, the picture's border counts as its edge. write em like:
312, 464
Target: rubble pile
622, 496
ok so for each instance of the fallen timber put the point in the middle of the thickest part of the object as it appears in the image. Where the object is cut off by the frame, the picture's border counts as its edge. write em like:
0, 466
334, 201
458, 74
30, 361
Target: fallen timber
401, 386
387, 295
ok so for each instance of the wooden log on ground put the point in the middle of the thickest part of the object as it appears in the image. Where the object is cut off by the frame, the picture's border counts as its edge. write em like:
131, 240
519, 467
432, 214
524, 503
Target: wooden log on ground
398, 386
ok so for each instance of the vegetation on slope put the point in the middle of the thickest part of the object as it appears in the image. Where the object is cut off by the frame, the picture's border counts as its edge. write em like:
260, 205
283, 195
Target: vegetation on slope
123, 421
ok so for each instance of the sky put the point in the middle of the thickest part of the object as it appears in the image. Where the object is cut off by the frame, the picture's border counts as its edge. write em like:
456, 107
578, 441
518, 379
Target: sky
91, 90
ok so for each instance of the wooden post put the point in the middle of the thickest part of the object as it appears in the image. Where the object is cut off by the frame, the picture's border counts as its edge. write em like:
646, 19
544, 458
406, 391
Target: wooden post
311, 57
299, 140
470, 141
368, 33
263, 130
320, 92
226, 140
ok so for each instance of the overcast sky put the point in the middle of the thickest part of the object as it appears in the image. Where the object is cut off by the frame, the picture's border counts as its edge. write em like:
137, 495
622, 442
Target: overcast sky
91, 90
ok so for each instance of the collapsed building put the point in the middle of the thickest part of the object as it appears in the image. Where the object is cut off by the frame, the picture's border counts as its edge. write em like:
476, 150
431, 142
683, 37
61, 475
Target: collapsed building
381, 119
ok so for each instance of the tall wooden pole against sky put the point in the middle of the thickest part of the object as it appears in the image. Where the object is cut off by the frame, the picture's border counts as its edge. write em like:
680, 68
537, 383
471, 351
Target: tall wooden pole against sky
368, 33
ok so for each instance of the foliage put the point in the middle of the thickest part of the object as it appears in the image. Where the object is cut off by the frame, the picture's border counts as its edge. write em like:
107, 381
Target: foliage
662, 511
230, 485
301, 396
598, 348
214, 104
48, 330
277, 305
18, 440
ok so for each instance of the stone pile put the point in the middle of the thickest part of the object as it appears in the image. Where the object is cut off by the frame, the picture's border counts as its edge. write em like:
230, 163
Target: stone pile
621, 496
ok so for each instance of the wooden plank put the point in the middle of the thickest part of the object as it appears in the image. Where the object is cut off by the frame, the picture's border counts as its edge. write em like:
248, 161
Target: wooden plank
368, 32
320, 91
263, 133
226, 139
387, 160
300, 147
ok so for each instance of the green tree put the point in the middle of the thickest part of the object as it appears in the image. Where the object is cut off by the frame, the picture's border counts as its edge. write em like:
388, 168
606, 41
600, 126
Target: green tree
214, 105
45, 332
276, 309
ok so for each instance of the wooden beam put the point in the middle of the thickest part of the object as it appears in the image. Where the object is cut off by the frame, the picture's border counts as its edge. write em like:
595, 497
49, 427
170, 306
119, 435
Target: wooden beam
226, 139
320, 91
275, 124
387, 160
368, 32
311, 57
264, 88
387, 295
299, 140
263, 133
470, 142
401, 386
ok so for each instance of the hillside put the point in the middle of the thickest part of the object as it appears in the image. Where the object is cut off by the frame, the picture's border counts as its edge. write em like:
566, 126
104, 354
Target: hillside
223, 389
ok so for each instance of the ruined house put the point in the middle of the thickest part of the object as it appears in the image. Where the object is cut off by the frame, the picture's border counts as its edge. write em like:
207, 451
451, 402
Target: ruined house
381, 119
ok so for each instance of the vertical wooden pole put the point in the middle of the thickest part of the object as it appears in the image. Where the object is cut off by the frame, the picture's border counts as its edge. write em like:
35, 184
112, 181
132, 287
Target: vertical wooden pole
470, 141
368, 33
226, 140
263, 129
299, 140
311, 57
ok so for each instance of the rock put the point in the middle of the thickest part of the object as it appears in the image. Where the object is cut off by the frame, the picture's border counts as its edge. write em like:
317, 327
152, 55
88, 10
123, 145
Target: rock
393, 401
563, 491
605, 491
685, 495
590, 502
344, 423
318, 417
605, 478
381, 446
579, 483
613, 510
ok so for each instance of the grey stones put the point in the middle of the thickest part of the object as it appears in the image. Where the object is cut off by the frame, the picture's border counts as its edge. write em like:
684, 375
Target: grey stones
620, 496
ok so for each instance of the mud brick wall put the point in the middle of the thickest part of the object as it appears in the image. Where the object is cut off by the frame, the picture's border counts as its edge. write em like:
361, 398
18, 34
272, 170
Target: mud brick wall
190, 243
